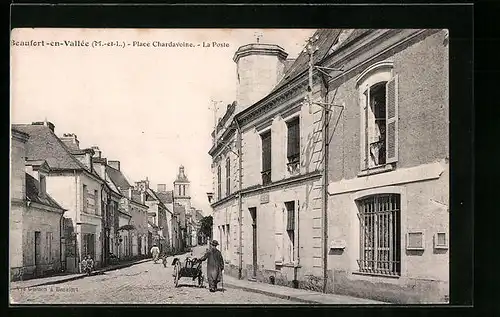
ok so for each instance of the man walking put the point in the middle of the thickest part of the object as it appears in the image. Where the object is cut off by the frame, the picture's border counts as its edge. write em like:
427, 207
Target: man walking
215, 265
155, 251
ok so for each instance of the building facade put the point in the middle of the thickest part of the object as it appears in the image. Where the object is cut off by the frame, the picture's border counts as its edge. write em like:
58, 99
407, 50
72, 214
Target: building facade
74, 183
388, 206
318, 163
35, 217
266, 159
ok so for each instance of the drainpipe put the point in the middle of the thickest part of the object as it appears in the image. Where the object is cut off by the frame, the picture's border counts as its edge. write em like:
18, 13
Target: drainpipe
77, 213
240, 203
326, 115
298, 243
61, 235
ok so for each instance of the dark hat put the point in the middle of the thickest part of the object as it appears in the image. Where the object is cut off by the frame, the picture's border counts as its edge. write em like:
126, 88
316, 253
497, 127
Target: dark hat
214, 243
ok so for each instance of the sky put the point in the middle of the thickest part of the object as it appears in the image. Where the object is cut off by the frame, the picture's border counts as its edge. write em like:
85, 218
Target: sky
147, 107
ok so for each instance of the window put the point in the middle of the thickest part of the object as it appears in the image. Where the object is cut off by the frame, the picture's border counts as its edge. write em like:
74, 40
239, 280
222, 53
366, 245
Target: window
85, 200
293, 144
219, 182
96, 202
378, 90
290, 229
266, 158
228, 176
380, 243
375, 124
180, 193
43, 185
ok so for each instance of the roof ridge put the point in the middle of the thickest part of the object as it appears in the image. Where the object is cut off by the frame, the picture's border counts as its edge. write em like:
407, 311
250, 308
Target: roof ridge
52, 133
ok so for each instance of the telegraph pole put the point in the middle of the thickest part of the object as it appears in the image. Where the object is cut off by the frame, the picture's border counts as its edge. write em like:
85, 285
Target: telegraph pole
311, 48
215, 108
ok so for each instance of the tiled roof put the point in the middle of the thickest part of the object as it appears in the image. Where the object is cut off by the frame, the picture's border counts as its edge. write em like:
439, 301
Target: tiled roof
33, 193
327, 38
165, 197
43, 144
117, 178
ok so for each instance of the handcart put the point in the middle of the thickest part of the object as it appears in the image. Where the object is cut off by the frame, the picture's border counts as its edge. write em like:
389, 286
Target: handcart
191, 267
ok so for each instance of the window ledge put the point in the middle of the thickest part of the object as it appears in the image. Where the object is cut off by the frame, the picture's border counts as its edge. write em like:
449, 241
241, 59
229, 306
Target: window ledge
376, 274
377, 170
290, 265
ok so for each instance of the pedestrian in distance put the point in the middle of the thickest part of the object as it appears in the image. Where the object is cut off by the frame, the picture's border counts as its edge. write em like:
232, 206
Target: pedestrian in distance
215, 265
155, 251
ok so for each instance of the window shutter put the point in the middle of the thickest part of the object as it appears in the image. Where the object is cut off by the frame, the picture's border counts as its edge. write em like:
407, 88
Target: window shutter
278, 222
392, 120
290, 225
363, 101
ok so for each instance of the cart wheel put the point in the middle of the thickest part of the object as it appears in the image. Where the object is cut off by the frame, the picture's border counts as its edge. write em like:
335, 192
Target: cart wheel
177, 275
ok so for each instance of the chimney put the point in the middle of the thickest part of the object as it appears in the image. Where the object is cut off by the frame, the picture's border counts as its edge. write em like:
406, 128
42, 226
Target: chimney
130, 192
143, 198
268, 60
162, 188
88, 158
114, 164
71, 141
97, 152
45, 123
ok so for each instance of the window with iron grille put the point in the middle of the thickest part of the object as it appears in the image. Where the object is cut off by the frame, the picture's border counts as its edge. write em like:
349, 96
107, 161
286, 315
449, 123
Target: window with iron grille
293, 144
219, 180
266, 158
228, 176
380, 234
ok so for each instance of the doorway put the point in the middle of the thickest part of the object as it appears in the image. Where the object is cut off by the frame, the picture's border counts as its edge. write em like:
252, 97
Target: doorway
253, 214
38, 253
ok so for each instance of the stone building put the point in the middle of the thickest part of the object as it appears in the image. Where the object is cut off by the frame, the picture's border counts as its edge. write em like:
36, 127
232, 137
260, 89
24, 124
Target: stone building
157, 216
388, 206
350, 201
182, 197
132, 204
74, 183
110, 200
266, 159
167, 198
36, 219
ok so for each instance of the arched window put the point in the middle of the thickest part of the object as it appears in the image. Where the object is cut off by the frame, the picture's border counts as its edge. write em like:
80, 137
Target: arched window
380, 234
378, 99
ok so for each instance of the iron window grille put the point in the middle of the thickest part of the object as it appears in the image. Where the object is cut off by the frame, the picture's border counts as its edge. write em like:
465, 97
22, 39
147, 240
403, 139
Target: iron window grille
380, 234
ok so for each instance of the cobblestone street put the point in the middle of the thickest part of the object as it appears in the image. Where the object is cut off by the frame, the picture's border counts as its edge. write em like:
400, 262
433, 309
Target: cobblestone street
145, 283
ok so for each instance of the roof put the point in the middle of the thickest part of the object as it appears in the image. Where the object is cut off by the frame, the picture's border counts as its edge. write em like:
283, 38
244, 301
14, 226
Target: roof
165, 197
43, 144
327, 38
33, 193
117, 178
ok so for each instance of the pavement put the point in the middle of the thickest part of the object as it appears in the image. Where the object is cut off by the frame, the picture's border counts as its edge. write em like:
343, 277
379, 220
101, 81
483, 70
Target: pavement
51, 280
143, 282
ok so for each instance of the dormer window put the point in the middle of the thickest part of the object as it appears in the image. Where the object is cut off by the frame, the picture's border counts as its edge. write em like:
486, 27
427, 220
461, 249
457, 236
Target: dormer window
43, 186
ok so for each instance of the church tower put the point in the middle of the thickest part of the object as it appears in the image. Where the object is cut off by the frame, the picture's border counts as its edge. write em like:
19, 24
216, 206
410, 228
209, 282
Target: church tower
181, 190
